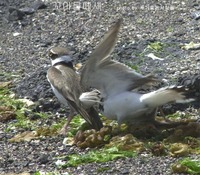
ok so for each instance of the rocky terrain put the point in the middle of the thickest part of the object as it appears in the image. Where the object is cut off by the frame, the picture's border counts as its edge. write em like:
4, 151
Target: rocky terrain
28, 28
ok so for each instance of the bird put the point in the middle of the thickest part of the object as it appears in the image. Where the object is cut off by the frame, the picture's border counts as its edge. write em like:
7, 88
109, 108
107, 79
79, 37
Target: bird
134, 108
108, 76
118, 97
65, 83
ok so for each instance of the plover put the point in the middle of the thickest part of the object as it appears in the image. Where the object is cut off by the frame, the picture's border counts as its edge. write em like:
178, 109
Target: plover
65, 82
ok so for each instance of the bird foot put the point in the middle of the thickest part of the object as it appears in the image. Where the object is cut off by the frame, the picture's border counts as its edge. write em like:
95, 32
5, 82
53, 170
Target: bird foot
63, 131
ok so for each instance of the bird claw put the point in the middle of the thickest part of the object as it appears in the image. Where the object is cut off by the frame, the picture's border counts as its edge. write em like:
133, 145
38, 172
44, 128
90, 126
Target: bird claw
63, 131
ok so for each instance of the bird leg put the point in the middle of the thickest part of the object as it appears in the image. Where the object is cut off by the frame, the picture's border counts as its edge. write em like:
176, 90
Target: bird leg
65, 128
162, 114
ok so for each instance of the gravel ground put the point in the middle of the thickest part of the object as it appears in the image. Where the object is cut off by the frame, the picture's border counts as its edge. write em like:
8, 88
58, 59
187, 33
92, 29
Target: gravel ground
26, 34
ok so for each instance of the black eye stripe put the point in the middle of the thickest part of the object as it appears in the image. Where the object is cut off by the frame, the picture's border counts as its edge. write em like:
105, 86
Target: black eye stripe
53, 55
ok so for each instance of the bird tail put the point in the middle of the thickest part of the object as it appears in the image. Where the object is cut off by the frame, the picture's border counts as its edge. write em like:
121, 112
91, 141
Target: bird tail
92, 117
95, 119
173, 94
89, 100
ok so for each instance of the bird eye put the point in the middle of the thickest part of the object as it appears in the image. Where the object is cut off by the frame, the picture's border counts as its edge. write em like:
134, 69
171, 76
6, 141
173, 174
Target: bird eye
50, 53
53, 55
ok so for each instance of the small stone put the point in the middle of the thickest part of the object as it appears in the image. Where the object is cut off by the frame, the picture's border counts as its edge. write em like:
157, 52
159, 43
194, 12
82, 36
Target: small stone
58, 38
16, 34
15, 14
10, 161
43, 159
125, 171
196, 15
60, 163
27, 102
24, 23
27, 10
38, 5
25, 163
46, 44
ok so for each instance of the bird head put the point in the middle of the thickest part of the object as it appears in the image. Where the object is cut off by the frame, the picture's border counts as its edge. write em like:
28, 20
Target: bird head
60, 55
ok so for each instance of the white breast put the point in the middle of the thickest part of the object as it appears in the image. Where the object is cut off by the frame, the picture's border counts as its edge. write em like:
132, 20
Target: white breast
123, 106
59, 96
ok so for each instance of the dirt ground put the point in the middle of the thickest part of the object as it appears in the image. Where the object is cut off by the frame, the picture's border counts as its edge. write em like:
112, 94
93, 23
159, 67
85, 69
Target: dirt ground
29, 28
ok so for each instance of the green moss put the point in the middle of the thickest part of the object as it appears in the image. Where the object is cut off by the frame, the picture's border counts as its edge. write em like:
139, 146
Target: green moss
102, 169
8, 76
170, 29
187, 166
178, 115
19, 109
97, 156
47, 173
156, 46
134, 67
75, 125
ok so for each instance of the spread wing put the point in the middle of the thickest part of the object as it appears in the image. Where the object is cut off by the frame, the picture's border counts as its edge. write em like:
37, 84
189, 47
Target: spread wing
67, 82
110, 77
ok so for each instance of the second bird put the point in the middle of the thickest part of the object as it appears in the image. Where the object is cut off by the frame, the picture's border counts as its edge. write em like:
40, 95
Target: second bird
65, 82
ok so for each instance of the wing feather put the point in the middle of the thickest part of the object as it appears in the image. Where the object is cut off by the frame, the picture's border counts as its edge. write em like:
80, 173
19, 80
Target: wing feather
102, 73
64, 84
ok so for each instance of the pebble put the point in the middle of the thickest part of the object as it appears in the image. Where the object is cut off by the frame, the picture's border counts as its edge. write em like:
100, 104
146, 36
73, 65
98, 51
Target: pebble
20, 53
15, 14
43, 159
196, 15
27, 10
38, 5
